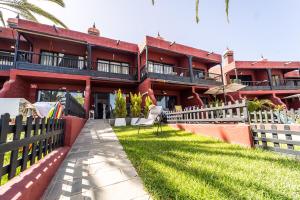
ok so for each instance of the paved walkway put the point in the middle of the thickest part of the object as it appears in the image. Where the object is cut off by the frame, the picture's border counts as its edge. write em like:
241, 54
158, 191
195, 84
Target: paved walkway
96, 168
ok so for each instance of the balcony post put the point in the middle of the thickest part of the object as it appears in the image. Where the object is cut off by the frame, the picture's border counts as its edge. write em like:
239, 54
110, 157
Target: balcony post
223, 85
269, 72
89, 57
191, 68
236, 74
138, 67
16, 49
146, 51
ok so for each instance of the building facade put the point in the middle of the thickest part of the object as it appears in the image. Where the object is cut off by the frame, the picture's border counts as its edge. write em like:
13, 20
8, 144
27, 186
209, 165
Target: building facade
38, 62
264, 79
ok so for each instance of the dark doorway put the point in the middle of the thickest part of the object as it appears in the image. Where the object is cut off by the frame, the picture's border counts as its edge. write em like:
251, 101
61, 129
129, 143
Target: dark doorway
102, 106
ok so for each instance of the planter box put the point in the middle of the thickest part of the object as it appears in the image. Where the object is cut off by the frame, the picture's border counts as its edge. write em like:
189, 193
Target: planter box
120, 122
133, 121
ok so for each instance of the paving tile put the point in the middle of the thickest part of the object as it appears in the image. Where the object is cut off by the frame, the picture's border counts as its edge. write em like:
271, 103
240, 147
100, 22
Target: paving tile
96, 167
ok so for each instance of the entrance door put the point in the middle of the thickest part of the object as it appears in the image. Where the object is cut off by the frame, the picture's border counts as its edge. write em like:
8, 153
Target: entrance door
102, 106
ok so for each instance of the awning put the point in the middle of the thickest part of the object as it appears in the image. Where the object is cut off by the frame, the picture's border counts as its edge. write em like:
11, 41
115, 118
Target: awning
233, 87
292, 96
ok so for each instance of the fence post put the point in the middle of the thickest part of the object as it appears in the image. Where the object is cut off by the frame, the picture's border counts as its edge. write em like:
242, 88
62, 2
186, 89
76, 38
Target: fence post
26, 148
14, 153
34, 144
288, 137
275, 135
263, 137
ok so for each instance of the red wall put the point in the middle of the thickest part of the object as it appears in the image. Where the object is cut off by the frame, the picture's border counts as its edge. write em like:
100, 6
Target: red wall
231, 133
16, 87
32, 183
73, 127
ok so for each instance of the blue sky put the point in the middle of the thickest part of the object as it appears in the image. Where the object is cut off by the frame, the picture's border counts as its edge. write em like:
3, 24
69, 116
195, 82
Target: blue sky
257, 27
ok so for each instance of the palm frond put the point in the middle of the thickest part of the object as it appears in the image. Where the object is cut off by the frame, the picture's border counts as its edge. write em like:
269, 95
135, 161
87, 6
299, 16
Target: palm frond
1, 18
197, 11
39, 11
227, 9
19, 8
58, 2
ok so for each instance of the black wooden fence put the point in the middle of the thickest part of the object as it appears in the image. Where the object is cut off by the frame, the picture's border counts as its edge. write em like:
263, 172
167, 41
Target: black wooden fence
72, 107
284, 141
229, 113
22, 143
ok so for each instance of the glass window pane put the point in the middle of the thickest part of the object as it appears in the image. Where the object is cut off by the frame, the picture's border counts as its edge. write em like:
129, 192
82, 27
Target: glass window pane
103, 66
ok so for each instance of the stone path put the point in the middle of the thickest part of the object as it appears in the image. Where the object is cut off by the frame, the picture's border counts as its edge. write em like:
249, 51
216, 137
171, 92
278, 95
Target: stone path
96, 168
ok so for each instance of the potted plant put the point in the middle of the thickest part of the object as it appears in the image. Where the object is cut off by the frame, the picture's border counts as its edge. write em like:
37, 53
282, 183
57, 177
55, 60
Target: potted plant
148, 103
135, 107
120, 109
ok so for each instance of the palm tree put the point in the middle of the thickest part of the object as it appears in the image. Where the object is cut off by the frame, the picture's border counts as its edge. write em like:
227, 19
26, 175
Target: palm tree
197, 9
28, 10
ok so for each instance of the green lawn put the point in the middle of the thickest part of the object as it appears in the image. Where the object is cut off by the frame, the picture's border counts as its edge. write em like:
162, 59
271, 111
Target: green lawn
180, 165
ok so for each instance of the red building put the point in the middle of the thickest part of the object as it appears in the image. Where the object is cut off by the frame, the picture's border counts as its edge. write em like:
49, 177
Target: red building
263, 79
39, 61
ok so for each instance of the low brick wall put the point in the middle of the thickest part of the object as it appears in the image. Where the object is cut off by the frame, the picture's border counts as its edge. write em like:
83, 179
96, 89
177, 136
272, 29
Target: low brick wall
231, 133
72, 129
32, 183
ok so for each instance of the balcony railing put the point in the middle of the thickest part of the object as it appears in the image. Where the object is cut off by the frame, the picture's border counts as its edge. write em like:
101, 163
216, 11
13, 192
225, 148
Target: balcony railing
6, 60
287, 84
180, 74
284, 84
68, 64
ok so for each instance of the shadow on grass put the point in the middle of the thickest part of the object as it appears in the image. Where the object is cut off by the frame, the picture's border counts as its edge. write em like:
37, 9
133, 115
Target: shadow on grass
173, 149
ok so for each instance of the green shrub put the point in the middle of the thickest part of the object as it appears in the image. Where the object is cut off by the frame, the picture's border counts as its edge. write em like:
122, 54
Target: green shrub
263, 104
148, 103
216, 102
135, 104
120, 102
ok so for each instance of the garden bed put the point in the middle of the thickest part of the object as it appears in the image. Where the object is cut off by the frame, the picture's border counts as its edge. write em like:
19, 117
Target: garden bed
181, 165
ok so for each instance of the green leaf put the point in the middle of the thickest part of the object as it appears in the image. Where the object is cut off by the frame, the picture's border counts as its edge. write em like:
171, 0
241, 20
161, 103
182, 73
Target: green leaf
227, 9
197, 11
19, 8
37, 10
58, 2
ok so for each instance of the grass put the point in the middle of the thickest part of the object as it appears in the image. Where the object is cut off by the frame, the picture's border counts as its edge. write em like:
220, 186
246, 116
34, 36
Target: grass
180, 165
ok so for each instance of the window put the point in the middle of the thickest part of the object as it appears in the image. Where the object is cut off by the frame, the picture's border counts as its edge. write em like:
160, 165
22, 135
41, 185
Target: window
200, 74
275, 80
48, 58
55, 95
167, 102
6, 58
160, 68
103, 66
62, 60
113, 67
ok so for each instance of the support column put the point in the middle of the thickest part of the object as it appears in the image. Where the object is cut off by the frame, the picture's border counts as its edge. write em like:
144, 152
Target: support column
16, 49
89, 57
138, 67
223, 85
146, 51
87, 97
269, 72
191, 68
236, 75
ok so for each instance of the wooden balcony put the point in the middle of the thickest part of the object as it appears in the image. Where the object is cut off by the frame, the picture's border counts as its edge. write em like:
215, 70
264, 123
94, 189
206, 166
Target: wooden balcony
77, 65
180, 75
